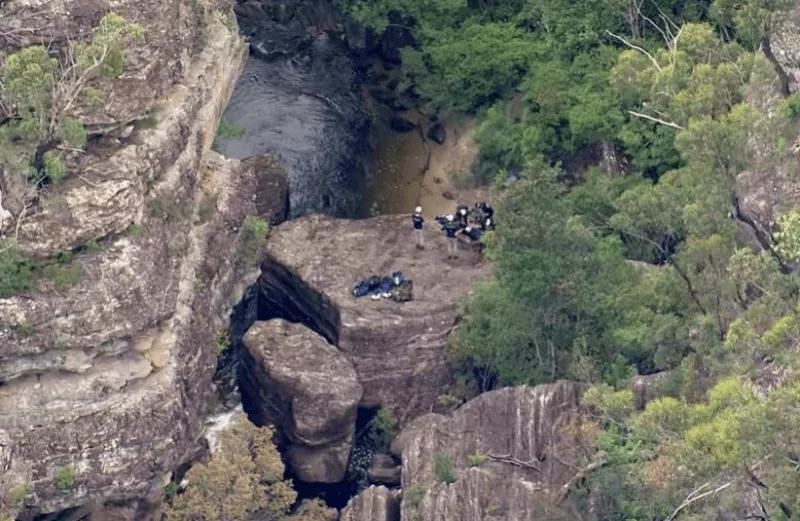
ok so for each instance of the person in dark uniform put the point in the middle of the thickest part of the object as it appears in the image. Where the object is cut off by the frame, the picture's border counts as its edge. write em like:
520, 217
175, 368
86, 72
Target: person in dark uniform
463, 216
488, 211
450, 229
472, 233
418, 222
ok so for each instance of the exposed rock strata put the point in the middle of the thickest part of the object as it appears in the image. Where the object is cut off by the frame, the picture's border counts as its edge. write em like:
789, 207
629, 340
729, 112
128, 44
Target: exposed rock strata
398, 350
307, 388
112, 376
519, 430
373, 504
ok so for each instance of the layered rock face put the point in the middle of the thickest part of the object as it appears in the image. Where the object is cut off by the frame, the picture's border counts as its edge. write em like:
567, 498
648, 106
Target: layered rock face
510, 452
308, 389
373, 504
108, 380
398, 350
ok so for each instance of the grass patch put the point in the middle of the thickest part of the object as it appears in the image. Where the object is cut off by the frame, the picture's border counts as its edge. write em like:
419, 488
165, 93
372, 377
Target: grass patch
254, 234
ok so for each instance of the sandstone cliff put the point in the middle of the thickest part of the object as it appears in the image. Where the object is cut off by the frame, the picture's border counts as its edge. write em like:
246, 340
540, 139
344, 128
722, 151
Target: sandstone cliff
108, 380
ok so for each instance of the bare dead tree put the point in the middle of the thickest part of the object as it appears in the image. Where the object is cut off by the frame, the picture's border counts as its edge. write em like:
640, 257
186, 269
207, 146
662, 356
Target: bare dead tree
697, 494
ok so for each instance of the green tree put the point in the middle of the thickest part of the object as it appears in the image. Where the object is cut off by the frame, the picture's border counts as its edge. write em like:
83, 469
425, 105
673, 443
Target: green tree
243, 480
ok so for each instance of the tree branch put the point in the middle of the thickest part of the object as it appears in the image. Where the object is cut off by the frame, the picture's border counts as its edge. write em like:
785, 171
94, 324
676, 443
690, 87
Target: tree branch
637, 48
695, 495
656, 120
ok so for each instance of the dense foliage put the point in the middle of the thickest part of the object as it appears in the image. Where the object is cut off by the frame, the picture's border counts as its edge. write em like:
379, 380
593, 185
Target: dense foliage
640, 266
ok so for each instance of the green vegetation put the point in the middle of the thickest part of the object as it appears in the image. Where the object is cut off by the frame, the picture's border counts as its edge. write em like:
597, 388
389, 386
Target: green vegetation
243, 480
20, 273
16, 271
443, 468
476, 459
65, 477
222, 342
603, 274
227, 130
254, 234
40, 92
12, 499
382, 430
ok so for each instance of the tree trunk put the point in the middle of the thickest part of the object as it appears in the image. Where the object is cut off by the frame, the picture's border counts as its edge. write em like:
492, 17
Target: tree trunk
766, 47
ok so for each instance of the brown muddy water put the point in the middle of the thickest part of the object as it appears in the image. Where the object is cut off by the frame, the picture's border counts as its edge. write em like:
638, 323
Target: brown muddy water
408, 169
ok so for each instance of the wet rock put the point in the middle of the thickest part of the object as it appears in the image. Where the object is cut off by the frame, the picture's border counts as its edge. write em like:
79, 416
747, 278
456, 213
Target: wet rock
384, 470
296, 380
373, 504
399, 124
398, 350
437, 133
518, 431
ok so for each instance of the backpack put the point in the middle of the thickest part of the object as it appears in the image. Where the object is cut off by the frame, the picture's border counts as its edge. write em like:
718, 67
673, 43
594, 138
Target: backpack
403, 292
398, 278
361, 289
386, 284
374, 282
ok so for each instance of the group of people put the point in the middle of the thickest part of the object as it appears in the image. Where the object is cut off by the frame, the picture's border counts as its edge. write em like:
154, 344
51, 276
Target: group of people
467, 223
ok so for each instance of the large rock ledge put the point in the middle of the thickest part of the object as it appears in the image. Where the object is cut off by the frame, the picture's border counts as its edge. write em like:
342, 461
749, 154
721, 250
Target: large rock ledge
398, 350
112, 377
308, 389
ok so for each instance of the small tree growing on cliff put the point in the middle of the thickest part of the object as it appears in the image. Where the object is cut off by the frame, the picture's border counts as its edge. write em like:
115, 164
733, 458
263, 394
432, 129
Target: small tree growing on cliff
243, 480
39, 91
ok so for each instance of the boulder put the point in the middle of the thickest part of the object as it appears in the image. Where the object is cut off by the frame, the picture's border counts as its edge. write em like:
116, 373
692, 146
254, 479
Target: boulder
299, 382
272, 192
519, 440
437, 133
373, 504
398, 350
399, 124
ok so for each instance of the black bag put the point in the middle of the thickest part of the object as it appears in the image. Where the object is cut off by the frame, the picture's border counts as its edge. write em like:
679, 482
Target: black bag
374, 282
361, 289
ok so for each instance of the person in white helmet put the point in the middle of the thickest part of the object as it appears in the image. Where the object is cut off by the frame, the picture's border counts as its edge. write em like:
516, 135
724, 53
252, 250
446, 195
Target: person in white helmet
419, 224
450, 229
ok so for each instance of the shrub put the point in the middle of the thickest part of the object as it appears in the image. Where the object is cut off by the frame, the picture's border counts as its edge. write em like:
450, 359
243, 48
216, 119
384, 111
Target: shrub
63, 271
54, 167
254, 232
476, 459
221, 342
382, 430
443, 468
16, 271
243, 476
65, 477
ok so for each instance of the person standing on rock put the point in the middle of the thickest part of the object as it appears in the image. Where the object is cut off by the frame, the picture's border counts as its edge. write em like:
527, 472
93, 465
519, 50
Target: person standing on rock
450, 228
419, 224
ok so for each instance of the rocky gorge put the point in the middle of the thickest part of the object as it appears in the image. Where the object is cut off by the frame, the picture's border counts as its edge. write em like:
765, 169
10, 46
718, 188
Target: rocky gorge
110, 380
